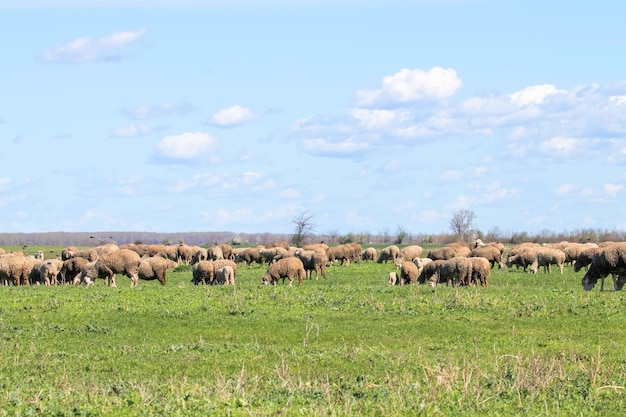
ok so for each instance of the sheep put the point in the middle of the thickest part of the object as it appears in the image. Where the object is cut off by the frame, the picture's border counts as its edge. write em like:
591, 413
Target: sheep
49, 270
420, 263
389, 253
585, 257
219, 264
250, 255
313, 261
123, 261
392, 278
491, 253
71, 269
269, 254
524, 258
610, 260
227, 251
369, 254
284, 268
225, 275
546, 257
454, 270
407, 254
215, 253
201, 254
443, 253
203, 272
408, 273
89, 254
15, 268
428, 270
185, 253
342, 253
67, 251
155, 267
481, 269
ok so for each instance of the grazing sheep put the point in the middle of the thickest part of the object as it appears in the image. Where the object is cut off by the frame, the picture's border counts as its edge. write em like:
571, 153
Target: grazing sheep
185, 253
15, 268
313, 261
392, 278
215, 253
524, 258
420, 263
389, 253
491, 253
71, 269
219, 264
225, 275
269, 254
369, 254
610, 260
408, 273
49, 270
407, 254
428, 270
546, 257
203, 272
284, 268
201, 254
453, 271
343, 253
585, 257
123, 261
481, 269
250, 255
67, 251
155, 267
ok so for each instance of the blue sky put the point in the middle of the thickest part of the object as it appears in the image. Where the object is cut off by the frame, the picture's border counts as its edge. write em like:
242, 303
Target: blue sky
168, 116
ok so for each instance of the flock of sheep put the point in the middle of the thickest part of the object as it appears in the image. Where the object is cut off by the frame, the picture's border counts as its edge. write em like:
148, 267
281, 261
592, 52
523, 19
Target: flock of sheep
454, 264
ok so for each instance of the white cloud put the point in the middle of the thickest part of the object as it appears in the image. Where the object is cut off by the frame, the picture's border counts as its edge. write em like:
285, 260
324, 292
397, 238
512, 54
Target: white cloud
535, 94
157, 111
130, 131
321, 146
612, 190
232, 116
86, 49
376, 119
290, 193
412, 85
187, 146
561, 146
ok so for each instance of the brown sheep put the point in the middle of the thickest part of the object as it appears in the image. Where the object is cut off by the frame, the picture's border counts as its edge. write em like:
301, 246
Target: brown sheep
585, 257
453, 271
525, 258
155, 267
481, 269
369, 254
225, 275
214, 253
227, 251
389, 253
610, 260
123, 261
407, 254
250, 255
71, 269
203, 272
343, 253
49, 270
285, 268
219, 264
313, 261
443, 253
493, 255
408, 273
546, 257
428, 270
15, 268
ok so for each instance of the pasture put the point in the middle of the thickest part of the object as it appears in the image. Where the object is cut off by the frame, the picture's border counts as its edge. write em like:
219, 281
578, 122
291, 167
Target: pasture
347, 345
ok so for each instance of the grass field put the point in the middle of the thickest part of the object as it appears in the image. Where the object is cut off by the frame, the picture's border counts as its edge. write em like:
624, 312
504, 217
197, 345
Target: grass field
535, 345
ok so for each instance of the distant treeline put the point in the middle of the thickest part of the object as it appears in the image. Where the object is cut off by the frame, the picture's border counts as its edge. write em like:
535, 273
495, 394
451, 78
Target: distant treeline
401, 236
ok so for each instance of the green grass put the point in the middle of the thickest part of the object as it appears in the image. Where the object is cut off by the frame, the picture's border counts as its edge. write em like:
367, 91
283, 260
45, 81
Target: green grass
347, 345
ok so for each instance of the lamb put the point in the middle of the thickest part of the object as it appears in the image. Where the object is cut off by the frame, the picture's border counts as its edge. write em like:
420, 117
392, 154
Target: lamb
392, 278
610, 260
285, 268
225, 275
219, 264
313, 261
155, 267
546, 257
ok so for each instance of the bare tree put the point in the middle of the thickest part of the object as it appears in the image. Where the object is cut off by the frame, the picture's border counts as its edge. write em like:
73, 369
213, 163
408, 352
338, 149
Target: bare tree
303, 228
462, 223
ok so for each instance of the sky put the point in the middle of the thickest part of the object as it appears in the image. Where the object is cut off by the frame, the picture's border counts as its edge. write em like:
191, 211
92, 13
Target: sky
369, 116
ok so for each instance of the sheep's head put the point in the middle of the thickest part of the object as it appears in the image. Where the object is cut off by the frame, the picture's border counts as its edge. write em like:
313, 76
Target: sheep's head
590, 279
266, 279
